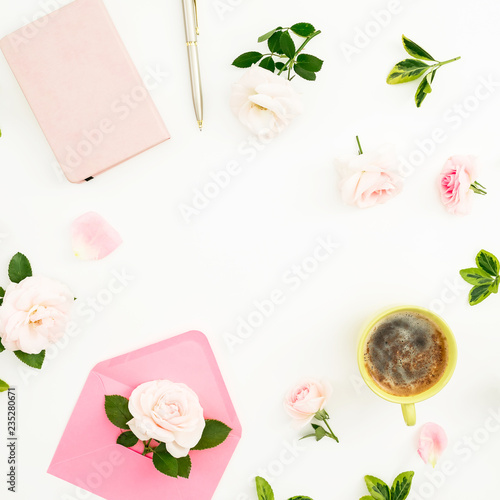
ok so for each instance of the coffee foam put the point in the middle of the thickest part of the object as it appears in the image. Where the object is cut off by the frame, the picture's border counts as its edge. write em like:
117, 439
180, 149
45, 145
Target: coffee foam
406, 353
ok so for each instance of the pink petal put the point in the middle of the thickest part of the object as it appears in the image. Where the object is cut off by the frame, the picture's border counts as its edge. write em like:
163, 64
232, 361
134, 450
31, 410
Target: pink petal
93, 238
432, 443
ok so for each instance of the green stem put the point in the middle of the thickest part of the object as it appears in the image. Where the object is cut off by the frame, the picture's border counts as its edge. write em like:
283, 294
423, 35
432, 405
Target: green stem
478, 188
359, 145
307, 436
291, 61
332, 435
147, 448
449, 61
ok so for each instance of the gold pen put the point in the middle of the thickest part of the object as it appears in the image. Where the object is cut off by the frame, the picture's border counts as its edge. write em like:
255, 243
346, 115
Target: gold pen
192, 31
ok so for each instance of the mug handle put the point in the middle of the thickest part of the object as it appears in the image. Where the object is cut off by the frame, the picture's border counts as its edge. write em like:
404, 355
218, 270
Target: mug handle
409, 414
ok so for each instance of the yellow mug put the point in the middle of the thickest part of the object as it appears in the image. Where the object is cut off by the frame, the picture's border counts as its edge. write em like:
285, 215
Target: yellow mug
408, 402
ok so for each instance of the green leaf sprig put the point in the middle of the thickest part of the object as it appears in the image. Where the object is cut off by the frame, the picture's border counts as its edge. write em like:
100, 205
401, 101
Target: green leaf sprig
319, 432
412, 69
4, 386
20, 269
214, 434
265, 492
485, 277
380, 491
283, 55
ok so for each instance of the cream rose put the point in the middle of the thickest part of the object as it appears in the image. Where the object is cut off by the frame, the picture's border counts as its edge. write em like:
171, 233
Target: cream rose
34, 314
264, 102
169, 413
305, 400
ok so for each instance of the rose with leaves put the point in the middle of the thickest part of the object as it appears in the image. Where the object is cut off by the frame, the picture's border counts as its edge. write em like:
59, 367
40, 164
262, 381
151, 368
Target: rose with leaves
262, 99
34, 312
168, 418
306, 402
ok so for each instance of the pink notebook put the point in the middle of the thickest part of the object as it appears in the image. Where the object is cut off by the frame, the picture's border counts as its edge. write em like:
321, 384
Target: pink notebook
88, 455
84, 89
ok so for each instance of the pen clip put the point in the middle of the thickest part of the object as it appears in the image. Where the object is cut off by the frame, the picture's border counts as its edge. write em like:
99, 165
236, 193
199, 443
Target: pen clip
195, 3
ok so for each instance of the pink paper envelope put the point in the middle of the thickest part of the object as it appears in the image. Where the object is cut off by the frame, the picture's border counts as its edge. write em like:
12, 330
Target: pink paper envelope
88, 455
84, 89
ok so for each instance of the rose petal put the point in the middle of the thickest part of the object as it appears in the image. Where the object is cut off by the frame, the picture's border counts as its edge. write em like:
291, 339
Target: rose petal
432, 443
93, 238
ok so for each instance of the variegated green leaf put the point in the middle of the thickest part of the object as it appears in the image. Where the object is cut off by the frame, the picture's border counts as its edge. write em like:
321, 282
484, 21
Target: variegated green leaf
401, 486
476, 276
377, 488
407, 71
415, 50
479, 293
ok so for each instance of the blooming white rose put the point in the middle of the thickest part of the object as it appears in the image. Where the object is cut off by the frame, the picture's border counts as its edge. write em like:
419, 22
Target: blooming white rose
34, 314
264, 102
169, 413
369, 179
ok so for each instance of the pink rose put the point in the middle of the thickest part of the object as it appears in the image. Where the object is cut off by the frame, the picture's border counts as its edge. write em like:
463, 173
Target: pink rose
34, 314
368, 179
169, 413
305, 400
455, 181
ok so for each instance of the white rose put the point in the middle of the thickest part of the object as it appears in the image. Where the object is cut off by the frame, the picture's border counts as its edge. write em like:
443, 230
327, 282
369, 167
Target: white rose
169, 413
264, 102
34, 314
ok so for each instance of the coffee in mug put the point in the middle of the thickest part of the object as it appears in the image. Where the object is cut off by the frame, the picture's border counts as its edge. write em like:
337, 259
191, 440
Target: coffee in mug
406, 353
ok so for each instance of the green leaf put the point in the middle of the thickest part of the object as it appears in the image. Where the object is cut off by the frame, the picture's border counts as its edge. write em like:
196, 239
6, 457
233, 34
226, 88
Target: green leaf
406, 71
2, 295
415, 50
310, 63
378, 489
401, 486
488, 262
476, 276
247, 59
303, 73
287, 45
366, 497
214, 434
319, 432
19, 268
478, 294
303, 29
300, 497
274, 43
269, 34
165, 462
33, 360
279, 65
184, 466
2, 348
493, 286
3, 386
264, 490
423, 89
268, 63
127, 439
117, 411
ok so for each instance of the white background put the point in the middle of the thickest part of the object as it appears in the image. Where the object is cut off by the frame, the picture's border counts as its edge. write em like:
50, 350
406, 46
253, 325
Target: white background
208, 273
